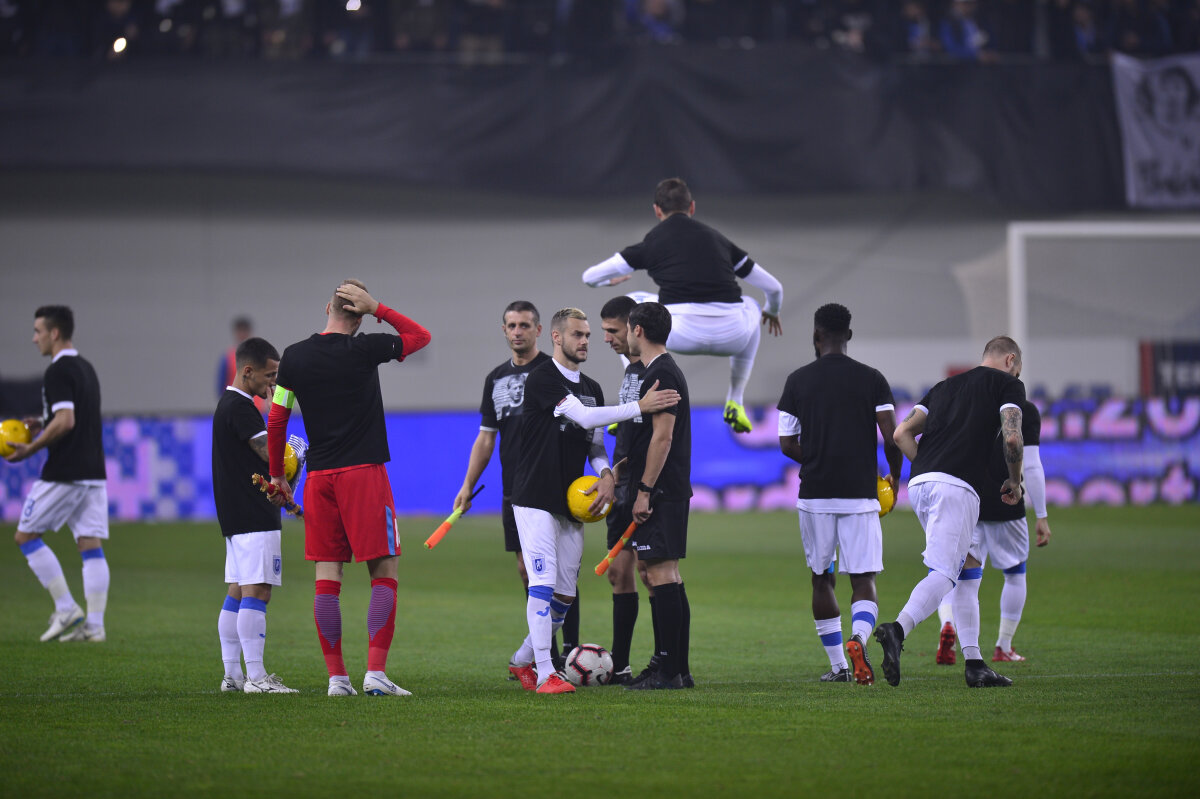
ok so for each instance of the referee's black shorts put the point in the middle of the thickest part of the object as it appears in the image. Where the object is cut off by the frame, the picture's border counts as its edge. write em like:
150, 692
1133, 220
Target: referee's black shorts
512, 541
620, 516
664, 535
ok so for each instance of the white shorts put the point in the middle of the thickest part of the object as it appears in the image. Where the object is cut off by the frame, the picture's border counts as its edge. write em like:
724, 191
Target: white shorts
1006, 542
709, 328
948, 514
552, 548
254, 558
51, 505
856, 536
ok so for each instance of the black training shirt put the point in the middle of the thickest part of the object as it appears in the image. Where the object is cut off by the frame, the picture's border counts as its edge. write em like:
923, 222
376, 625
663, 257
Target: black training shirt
241, 507
690, 262
500, 410
675, 480
71, 382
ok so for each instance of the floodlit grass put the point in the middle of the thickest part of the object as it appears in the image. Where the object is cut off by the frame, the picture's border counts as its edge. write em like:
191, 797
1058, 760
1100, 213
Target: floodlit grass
1106, 705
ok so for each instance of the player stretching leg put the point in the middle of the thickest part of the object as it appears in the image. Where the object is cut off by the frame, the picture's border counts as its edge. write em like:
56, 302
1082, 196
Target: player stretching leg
828, 415
253, 555
696, 270
349, 512
949, 474
72, 488
563, 410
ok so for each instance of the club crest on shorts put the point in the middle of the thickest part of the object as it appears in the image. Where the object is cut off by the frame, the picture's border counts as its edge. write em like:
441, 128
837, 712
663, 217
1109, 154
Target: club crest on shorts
277, 564
539, 564
29, 507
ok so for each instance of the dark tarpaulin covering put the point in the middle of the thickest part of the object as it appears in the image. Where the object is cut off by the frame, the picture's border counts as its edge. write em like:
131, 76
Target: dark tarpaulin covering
770, 120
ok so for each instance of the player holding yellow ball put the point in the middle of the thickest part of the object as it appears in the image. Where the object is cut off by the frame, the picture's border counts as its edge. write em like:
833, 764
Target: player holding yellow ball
13, 431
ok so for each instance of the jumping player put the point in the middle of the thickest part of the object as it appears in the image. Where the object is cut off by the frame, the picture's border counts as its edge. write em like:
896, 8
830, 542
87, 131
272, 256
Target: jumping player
500, 411
1003, 534
248, 520
696, 270
560, 431
828, 417
349, 510
957, 424
660, 458
72, 488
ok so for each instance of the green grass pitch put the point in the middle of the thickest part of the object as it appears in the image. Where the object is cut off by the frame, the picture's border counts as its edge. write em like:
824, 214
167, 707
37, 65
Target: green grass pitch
1107, 704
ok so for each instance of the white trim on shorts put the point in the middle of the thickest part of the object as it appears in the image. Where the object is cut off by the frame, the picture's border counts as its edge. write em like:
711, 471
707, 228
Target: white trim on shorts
948, 512
854, 540
1006, 542
552, 548
254, 558
82, 505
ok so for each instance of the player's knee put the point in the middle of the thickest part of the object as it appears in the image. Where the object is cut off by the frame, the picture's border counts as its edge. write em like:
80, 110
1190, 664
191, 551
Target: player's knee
24, 538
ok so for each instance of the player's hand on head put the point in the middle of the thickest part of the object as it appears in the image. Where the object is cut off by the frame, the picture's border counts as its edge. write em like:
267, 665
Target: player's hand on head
357, 299
657, 399
1043, 532
773, 324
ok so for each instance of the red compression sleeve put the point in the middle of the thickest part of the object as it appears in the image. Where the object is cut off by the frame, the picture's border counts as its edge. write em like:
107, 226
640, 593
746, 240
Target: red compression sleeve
413, 336
277, 421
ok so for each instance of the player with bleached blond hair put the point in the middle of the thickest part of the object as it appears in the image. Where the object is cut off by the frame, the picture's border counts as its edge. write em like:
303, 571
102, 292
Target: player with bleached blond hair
696, 270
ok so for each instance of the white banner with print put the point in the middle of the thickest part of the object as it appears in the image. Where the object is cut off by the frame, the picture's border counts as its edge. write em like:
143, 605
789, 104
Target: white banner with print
1158, 105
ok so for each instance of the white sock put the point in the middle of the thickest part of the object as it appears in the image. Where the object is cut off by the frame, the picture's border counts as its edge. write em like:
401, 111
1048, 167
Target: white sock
830, 633
946, 611
1012, 604
923, 600
966, 611
49, 572
524, 654
95, 586
537, 614
231, 644
252, 632
740, 366
863, 614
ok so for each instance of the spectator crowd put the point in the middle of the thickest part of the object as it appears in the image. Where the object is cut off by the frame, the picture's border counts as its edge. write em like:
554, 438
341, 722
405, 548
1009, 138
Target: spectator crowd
490, 31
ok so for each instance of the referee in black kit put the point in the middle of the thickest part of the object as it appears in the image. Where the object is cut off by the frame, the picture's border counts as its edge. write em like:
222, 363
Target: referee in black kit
660, 469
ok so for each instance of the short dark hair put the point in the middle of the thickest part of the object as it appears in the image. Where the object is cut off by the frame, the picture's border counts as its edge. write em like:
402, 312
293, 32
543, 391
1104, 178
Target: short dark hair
672, 195
833, 318
255, 352
1001, 346
58, 317
242, 323
654, 319
522, 306
618, 307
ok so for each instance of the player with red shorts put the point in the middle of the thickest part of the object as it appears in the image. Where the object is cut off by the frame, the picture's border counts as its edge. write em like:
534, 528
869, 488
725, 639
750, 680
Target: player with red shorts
349, 510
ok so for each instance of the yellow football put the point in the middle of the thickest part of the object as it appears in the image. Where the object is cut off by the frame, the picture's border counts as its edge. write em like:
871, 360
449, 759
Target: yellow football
887, 497
578, 502
13, 430
291, 464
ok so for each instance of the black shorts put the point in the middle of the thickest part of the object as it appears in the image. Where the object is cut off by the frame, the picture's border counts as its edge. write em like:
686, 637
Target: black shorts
664, 534
512, 541
619, 517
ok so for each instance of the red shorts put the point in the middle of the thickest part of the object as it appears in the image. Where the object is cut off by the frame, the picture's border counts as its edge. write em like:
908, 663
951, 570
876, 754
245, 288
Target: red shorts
349, 512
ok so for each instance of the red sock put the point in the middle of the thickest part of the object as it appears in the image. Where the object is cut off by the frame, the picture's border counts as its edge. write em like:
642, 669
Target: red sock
381, 622
327, 611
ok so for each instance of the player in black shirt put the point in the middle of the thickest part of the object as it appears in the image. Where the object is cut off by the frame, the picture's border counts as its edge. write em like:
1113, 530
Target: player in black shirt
72, 487
563, 411
248, 519
614, 321
696, 270
1003, 534
828, 417
660, 471
349, 511
957, 422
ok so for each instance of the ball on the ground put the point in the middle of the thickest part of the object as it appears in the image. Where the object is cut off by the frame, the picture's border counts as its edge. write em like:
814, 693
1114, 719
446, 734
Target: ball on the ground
291, 464
887, 497
13, 430
588, 664
578, 501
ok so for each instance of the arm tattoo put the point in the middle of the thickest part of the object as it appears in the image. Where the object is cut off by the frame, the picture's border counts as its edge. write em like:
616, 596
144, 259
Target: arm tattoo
259, 445
1010, 427
911, 414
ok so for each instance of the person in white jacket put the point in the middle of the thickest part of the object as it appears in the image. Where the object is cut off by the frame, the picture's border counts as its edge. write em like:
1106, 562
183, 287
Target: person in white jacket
696, 269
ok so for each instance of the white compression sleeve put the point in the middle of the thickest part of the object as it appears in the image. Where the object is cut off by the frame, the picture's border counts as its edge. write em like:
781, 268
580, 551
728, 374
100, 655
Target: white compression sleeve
762, 279
589, 418
1035, 481
598, 455
603, 272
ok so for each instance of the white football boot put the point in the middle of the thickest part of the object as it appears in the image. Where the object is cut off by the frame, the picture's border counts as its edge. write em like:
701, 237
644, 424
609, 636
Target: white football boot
267, 685
60, 622
382, 686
